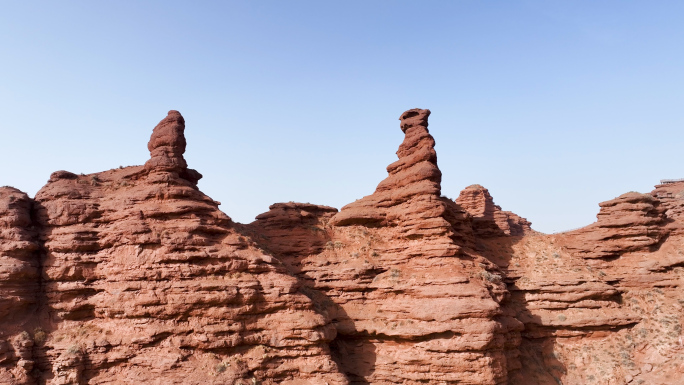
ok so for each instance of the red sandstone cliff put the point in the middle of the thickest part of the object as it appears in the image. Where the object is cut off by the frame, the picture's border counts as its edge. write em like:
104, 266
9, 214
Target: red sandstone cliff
133, 275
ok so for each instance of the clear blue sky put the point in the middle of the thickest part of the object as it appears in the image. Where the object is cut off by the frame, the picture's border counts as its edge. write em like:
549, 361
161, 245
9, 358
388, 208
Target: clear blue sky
554, 106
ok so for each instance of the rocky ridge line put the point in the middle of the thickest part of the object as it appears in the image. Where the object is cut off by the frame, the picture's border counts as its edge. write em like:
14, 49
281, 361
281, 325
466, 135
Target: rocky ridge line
133, 275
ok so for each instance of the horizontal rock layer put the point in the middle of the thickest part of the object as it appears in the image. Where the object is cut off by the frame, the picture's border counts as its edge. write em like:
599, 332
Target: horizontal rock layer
411, 301
133, 275
630, 222
488, 219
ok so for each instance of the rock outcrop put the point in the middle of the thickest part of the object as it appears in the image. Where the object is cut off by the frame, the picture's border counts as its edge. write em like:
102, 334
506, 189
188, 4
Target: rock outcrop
133, 275
293, 229
671, 198
409, 199
146, 280
488, 219
630, 222
411, 301
600, 304
19, 286
167, 146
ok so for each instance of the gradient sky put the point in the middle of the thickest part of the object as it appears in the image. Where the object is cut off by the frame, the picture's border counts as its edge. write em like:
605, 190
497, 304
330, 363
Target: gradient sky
554, 106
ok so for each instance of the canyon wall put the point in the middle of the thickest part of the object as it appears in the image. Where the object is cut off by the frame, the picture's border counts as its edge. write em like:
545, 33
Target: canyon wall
133, 275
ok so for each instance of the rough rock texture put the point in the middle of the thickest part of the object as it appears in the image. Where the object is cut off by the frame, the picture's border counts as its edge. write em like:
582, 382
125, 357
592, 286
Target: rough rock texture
630, 222
601, 304
167, 146
145, 280
19, 286
411, 301
409, 199
488, 219
561, 300
292, 229
671, 198
134, 276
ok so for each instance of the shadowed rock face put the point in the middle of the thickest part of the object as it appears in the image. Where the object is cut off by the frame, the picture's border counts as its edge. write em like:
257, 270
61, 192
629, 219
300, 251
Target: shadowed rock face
133, 275
488, 219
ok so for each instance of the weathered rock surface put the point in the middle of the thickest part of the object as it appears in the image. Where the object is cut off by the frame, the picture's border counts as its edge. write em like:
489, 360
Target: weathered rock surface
167, 146
602, 303
671, 198
488, 219
293, 229
19, 286
411, 301
133, 275
145, 280
630, 222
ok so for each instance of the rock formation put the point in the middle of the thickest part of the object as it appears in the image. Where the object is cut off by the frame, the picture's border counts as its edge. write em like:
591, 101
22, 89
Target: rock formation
133, 275
411, 301
144, 279
19, 286
488, 219
167, 146
630, 222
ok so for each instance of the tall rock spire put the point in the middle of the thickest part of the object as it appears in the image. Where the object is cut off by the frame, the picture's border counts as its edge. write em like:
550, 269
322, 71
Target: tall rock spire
167, 146
414, 175
410, 197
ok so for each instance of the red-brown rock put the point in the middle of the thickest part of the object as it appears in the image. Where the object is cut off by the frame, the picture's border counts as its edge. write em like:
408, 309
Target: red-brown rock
145, 280
411, 301
630, 222
19, 286
488, 219
133, 275
167, 146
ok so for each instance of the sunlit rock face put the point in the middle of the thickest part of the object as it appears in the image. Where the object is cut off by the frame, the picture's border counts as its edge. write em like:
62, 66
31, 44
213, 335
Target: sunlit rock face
144, 279
411, 300
20, 290
133, 275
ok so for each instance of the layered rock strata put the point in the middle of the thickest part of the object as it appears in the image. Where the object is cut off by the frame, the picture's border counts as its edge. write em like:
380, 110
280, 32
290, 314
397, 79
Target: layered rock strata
488, 219
630, 222
19, 287
599, 304
133, 275
411, 301
671, 198
146, 280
